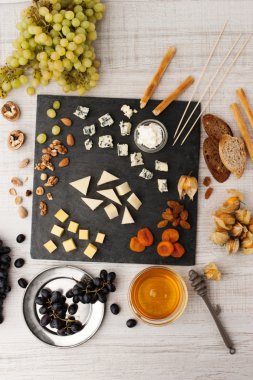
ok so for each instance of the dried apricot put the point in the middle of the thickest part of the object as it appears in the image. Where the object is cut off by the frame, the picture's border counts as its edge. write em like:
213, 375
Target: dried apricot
165, 248
184, 215
145, 237
135, 245
178, 250
171, 235
162, 223
168, 217
184, 224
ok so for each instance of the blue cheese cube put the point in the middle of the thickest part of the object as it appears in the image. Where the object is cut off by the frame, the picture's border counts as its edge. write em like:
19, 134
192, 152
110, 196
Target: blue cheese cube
122, 149
89, 130
105, 141
161, 166
81, 112
106, 120
88, 144
162, 185
146, 174
136, 159
127, 111
125, 128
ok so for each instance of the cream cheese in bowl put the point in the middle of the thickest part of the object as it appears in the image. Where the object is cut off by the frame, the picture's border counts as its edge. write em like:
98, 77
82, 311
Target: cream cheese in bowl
150, 136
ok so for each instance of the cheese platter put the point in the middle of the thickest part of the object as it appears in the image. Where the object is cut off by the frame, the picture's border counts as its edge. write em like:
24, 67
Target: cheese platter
109, 187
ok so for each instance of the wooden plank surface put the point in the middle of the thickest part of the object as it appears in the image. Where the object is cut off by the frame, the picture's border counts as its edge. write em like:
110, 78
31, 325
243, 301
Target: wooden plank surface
132, 38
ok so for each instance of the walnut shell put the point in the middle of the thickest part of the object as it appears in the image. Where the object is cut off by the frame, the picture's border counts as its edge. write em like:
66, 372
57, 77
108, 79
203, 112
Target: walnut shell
11, 111
16, 139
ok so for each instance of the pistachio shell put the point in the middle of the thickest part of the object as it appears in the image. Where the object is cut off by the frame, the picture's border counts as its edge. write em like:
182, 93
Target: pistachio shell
219, 238
232, 246
243, 216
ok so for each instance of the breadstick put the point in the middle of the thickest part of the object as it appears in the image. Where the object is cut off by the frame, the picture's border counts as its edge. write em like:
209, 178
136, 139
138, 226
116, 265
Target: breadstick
173, 95
157, 77
243, 128
245, 104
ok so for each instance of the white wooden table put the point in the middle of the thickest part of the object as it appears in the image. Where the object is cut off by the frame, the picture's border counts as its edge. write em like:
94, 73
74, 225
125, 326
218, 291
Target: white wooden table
132, 39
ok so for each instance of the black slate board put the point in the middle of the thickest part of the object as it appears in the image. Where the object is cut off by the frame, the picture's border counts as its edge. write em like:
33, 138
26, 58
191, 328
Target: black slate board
181, 160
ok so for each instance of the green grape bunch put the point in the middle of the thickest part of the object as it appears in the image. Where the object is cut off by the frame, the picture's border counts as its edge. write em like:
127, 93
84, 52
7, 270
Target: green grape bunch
54, 43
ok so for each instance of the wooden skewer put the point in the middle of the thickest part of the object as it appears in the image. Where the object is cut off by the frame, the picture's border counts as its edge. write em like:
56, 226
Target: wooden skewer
157, 77
245, 104
243, 128
217, 87
201, 76
173, 95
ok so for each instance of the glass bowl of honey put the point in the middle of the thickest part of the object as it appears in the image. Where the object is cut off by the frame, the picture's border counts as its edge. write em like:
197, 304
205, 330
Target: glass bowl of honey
158, 295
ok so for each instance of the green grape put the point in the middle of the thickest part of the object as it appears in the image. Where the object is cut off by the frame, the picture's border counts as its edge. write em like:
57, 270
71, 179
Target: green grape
78, 8
80, 16
56, 40
56, 130
70, 55
51, 113
81, 90
65, 30
44, 82
70, 36
78, 1
85, 24
62, 82
64, 42
54, 33
35, 82
60, 50
92, 36
58, 65
99, 15
88, 54
95, 76
91, 27
22, 61
69, 15
32, 43
72, 46
57, 27
28, 54
87, 62
49, 41
73, 87
81, 31
42, 137
15, 83
26, 34
79, 50
49, 17
6, 86
57, 6
43, 11
56, 105
75, 22
14, 63
25, 44
54, 56
66, 22
89, 12
79, 39
16, 44
58, 18
23, 79
66, 88
53, 1
67, 64
99, 7
93, 20
47, 75
77, 65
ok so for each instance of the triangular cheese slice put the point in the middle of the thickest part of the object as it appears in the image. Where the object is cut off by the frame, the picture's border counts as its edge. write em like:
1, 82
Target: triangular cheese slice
110, 194
106, 177
127, 217
81, 184
92, 203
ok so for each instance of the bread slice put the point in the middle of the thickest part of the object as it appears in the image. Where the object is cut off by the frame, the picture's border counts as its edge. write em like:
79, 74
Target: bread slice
233, 154
213, 160
215, 127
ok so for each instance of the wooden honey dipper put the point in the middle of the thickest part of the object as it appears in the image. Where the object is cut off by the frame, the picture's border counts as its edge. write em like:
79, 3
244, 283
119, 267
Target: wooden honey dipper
199, 285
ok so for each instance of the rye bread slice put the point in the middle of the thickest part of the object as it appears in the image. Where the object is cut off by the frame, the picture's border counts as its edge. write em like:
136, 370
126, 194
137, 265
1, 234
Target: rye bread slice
233, 154
215, 127
213, 160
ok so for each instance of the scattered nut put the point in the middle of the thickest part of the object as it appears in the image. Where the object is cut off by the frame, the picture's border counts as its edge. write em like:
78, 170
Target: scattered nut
16, 139
43, 176
22, 211
43, 208
16, 181
28, 193
52, 181
24, 163
207, 181
39, 190
70, 140
64, 162
49, 196
66, 121
18, 200
12, 191
11, 111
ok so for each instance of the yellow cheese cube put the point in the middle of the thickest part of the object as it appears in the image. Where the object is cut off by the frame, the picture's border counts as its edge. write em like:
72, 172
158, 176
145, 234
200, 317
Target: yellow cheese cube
83, 234
61, 215
69, 245
90, 250
73, 227
50, 246
100, 238
57, 230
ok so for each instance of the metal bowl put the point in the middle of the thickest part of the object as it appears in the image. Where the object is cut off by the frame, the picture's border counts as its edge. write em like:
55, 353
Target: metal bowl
61, 278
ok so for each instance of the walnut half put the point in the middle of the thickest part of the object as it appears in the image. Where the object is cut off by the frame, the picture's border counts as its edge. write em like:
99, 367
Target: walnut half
11, 111
16, 139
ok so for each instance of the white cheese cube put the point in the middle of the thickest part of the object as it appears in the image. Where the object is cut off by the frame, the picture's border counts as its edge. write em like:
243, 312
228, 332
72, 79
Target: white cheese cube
50, 246
84, 234
73, 227
100, 238
106, 120
123, 189
127, 111
111, 211
61, 215
88, 144
161, 166
81, 112
136, 159
69, 245
125, 128
146, 174
105, 141
162, 185
134, 201
89, 130
122, 149
90, 250
57, 230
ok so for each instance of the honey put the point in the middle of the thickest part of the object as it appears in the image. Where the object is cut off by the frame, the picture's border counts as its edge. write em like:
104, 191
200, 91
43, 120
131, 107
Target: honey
157, 293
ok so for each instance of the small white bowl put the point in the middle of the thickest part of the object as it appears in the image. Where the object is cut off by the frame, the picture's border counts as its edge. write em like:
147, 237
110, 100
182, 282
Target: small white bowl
164, 133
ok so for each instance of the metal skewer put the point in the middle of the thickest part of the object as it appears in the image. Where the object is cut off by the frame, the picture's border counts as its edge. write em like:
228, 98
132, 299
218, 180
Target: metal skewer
199, 285
208, 86
201, 75
217, 87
